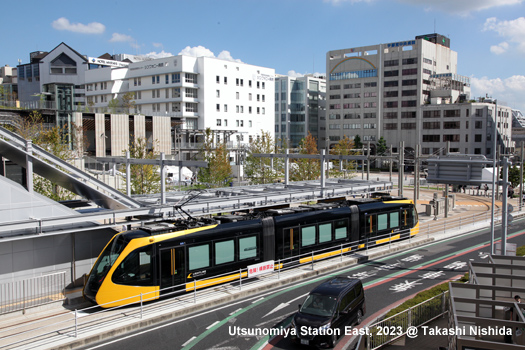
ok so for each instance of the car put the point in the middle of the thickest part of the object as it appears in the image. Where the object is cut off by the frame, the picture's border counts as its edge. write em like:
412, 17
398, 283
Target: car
329, 308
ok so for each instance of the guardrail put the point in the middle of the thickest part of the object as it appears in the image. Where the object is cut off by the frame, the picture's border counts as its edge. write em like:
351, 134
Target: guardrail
20, 295
394, 327
71, 324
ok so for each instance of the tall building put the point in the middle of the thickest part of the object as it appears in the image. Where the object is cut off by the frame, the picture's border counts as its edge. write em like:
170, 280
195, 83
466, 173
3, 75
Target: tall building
300, 107
388, 90
189, 95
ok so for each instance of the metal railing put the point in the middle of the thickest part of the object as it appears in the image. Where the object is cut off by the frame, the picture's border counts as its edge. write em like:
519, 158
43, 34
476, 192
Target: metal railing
394, 327
20, 295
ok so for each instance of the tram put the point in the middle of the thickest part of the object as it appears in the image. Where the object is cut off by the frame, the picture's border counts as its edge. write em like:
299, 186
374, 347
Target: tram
187, 254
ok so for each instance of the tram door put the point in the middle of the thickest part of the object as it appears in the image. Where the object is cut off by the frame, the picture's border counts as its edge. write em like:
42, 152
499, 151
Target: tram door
172, 270
291, 242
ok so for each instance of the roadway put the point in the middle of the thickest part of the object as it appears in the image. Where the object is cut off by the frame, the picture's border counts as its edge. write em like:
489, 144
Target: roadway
388, 281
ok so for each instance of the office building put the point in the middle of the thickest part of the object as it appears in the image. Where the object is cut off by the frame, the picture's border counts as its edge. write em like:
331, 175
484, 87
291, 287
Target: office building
300, 108
391, 90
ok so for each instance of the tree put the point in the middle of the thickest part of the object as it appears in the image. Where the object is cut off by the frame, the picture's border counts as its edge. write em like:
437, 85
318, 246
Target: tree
259, 170
381, 149
345, 147
128, 101
52, 140
381, 146
113, 105
219, 170
357, 142
306, 169
144, 178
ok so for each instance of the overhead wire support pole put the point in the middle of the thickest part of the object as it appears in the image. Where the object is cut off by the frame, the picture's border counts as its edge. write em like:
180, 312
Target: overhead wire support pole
493, 180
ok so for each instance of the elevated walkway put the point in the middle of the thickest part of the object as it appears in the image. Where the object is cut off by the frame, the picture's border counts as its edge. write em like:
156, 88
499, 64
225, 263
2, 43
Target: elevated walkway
45, 164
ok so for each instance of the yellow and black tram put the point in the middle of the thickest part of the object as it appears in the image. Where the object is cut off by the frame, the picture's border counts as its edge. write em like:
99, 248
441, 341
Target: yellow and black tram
192, 253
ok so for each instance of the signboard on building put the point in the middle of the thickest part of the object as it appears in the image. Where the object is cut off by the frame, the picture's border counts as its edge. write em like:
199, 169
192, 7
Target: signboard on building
103, 62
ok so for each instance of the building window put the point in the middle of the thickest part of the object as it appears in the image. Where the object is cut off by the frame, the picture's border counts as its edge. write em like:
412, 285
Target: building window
451, 113
391, 83
191, 107
405, 115
218, 93
477, 138
390, 115
431, 125
408, 126
218, 106
391, 63
411, 71
167, 79
191, 93
175, 78
431, 114
391, 73
175, 92
218, 79
410, 61
218, 122
226, 108
190, 78
451, 125
431, 138
451, 138
237, 95
390, 126
225, 80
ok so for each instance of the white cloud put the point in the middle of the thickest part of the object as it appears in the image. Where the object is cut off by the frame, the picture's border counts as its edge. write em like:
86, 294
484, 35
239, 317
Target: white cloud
512, 31
197, 51
123, 38
119, 38
161, 54
500, 48
461, 7
509, 91
294, 74
158, 45
92, 28
225, 55
201, 51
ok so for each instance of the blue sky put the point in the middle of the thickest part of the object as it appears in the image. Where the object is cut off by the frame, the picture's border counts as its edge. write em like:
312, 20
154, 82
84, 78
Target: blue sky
291, 36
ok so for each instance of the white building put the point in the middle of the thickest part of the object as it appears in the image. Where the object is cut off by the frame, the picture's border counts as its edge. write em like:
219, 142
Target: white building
191, 94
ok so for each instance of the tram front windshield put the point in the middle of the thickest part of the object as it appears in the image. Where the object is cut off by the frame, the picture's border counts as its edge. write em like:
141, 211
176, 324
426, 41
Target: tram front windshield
105, 261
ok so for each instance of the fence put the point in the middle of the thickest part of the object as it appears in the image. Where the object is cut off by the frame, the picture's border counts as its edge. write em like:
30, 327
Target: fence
397, 326
19, 295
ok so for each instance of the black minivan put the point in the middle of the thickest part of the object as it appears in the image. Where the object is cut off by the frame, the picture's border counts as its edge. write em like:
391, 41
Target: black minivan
328, 309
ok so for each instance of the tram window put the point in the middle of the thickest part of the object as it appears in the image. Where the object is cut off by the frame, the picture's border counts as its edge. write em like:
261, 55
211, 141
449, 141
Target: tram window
135, 269
340, 229
307, 236
394, 219
199, 256
224, 252
325, 233
382, 222
247, 247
